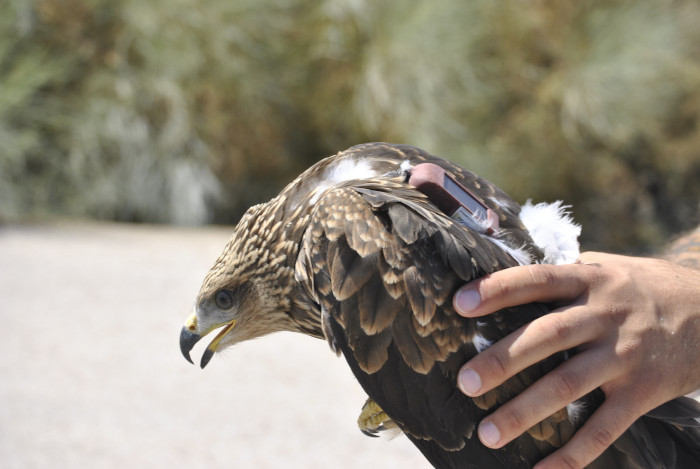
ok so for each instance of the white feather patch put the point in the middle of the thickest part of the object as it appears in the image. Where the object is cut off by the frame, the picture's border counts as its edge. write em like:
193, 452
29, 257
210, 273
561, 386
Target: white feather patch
520, 255
481, 343
553, 230
346, 170
575, 409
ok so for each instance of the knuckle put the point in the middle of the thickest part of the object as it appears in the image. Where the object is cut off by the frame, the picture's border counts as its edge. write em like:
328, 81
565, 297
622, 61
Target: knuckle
628, 351
555, 328
598, 277
601, 438
618, 313
565, 385
563, 459
515, 420
494, 287
606, 432
552, 328
497, 364
568, 462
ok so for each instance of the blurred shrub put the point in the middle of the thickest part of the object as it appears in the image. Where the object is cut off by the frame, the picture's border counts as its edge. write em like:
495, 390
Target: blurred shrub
189, 111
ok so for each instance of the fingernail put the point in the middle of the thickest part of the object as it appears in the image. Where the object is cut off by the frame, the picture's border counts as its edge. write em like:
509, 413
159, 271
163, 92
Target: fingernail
467, 300
489, 434
469, 381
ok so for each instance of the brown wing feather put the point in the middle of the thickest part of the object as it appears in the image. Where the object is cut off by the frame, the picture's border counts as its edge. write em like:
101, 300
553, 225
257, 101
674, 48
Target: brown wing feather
377, 308
383, 264
394, 263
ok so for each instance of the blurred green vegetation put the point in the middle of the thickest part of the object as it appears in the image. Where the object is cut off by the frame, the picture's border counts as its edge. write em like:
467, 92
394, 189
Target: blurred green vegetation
189, 111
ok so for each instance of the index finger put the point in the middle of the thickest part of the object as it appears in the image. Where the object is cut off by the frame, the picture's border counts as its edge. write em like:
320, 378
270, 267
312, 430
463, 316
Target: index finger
520, 285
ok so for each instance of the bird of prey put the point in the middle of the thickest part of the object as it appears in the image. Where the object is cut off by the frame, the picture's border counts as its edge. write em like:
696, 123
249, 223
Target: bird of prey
351, 251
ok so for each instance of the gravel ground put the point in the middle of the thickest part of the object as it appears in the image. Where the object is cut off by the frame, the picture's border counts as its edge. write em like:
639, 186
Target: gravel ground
91, 373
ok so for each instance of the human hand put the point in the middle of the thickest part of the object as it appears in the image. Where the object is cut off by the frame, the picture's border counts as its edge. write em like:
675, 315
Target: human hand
635, 323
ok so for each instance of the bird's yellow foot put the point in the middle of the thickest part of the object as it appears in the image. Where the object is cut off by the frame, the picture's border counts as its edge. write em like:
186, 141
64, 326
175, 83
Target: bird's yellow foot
373, 420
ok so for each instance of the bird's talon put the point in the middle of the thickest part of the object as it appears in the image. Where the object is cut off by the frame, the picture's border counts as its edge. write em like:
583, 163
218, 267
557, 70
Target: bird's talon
373, 419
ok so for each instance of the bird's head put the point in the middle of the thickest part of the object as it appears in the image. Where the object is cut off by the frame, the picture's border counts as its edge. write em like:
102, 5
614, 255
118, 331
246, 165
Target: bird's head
249, 290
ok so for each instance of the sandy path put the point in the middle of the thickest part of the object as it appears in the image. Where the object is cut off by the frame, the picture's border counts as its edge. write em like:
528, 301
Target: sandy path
91, 374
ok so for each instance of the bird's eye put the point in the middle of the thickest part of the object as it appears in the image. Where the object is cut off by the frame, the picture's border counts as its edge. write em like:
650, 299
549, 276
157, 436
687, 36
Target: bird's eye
223, 299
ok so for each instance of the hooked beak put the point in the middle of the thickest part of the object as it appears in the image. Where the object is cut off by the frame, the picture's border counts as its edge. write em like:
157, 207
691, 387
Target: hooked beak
189, 337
